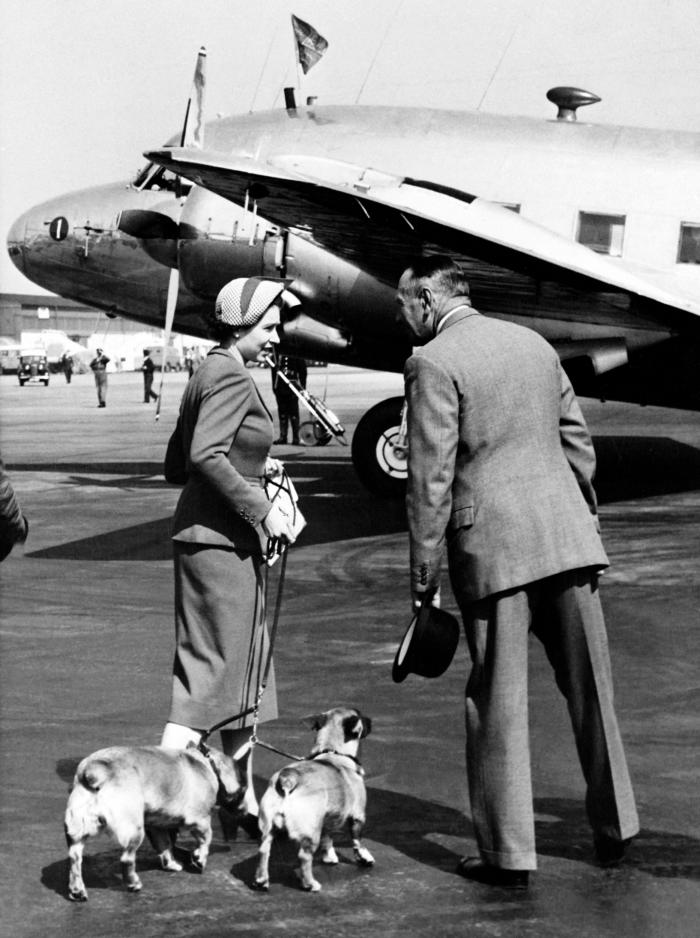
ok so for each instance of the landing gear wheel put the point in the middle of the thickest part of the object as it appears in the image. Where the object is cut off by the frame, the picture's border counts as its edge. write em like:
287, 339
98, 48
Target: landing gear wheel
380, 467
312, 433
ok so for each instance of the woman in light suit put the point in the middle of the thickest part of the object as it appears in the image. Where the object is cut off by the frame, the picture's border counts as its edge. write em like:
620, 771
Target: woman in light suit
220, 450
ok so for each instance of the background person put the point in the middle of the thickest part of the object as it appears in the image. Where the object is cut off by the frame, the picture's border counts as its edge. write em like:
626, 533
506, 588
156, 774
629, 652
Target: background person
148, 368
287, 401
67, 366
500, 468
99, 369
221, 445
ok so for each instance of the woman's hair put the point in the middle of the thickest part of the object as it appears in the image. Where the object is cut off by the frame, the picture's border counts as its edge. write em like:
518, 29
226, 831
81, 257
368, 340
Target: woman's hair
219, 331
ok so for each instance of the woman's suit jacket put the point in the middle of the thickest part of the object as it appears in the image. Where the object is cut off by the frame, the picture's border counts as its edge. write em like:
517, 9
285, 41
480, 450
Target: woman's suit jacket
222, 438
500, 460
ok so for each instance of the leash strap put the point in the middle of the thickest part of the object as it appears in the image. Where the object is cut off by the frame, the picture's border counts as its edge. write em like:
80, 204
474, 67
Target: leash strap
259, 626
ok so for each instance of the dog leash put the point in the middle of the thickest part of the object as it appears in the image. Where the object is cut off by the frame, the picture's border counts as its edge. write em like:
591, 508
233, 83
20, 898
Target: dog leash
255, 709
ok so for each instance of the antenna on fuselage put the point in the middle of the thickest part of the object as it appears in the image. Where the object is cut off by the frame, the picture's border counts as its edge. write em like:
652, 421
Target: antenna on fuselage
568, 99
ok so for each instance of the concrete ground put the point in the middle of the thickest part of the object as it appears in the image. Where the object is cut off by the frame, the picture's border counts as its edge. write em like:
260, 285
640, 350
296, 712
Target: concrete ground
87, 641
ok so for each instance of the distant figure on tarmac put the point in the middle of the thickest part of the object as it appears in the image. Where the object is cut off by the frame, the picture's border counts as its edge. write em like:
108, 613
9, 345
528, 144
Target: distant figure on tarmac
148, 368
500, 470
287, 401
99, 368
67, 366
13, 524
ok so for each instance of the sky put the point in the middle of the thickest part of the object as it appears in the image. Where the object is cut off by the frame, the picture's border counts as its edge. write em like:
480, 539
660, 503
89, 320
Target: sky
86, 86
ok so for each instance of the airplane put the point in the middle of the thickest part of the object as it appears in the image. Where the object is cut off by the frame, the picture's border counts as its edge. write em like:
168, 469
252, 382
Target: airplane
589, 234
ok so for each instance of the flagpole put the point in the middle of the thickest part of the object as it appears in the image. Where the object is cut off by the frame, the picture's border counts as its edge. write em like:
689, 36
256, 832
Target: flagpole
296, 56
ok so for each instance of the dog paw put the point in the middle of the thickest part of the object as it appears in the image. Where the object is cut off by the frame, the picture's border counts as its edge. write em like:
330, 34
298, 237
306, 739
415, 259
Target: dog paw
78, 895
329, 856
172, 866
311, 885
135, 885
363, 857
197, 864
261, 885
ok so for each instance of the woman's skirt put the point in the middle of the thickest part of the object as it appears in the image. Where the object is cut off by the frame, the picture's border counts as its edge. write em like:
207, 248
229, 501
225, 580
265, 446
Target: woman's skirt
221, 638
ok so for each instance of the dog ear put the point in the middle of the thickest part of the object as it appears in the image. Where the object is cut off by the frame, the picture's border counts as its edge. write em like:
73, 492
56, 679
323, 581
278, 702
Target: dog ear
314, 721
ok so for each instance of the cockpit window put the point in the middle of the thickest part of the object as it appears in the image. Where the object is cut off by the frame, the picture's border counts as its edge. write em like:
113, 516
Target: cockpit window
157, 178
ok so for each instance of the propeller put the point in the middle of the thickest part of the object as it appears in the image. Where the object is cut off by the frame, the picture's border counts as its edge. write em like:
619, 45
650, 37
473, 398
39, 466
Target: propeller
192, 135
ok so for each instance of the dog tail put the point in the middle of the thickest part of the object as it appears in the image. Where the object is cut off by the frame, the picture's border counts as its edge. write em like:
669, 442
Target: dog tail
93, 775
287, 781
81, 819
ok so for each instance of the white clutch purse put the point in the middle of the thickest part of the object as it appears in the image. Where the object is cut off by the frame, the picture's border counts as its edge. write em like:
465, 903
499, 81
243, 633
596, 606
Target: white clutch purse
280, 489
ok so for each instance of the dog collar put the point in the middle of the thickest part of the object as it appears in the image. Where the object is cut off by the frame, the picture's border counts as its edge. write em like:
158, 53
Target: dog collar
222, 797
334, 752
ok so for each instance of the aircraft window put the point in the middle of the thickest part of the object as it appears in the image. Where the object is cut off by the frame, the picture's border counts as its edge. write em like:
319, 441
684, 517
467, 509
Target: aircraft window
158, 178
602, 233
689, 244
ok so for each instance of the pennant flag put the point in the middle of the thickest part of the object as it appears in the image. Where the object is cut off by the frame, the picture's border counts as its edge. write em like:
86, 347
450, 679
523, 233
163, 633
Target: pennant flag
193, 131
310, 44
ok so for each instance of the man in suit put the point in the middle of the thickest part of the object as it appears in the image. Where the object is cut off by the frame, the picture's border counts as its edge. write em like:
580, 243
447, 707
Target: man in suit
500, 469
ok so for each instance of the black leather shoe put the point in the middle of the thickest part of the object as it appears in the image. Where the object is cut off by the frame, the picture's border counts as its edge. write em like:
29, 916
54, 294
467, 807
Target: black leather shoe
280, 442
475, 869
610, 852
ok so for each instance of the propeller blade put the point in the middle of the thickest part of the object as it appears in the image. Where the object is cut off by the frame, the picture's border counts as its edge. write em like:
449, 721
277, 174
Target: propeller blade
171, 303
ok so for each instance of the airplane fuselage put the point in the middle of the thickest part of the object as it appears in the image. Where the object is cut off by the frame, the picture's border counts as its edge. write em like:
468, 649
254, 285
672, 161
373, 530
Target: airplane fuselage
643, 184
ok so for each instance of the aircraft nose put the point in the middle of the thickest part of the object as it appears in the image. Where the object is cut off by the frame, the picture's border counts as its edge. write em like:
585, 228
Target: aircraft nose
38, 240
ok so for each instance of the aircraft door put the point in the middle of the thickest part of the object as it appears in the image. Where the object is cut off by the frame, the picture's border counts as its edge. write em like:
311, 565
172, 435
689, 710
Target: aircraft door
274, 256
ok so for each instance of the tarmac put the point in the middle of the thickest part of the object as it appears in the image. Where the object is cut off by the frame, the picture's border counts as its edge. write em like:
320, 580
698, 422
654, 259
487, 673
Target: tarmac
87, 643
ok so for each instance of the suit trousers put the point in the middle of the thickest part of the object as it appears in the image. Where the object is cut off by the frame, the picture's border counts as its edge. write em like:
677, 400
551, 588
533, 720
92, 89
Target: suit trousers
564, 612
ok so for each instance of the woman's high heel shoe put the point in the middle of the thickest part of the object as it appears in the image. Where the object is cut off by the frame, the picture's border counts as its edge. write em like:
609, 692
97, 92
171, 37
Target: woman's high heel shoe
230, 822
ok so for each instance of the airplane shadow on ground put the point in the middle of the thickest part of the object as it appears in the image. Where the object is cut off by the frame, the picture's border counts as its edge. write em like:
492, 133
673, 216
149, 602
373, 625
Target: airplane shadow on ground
337, 507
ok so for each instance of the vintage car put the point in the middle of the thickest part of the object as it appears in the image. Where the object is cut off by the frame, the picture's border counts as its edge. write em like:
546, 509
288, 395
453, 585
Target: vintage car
33, 367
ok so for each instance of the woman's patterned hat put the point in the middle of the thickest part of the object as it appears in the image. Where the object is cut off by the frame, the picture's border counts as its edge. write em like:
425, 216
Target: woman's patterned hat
243, 301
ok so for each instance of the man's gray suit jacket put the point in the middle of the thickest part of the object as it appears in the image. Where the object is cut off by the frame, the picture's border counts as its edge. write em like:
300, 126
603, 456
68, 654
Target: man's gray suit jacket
500, 461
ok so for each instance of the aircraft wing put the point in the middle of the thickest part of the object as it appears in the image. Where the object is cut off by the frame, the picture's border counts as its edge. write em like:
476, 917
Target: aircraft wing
379, 220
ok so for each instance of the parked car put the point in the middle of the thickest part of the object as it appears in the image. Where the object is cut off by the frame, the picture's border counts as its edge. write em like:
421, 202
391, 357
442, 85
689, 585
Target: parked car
9, 359
33, 367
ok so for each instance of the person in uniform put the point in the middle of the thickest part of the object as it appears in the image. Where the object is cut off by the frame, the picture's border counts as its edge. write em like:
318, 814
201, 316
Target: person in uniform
99, 369
287, 402
148, 368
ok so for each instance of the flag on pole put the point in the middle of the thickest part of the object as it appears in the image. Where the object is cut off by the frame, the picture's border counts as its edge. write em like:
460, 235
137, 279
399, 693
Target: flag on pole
310, 44
193, 134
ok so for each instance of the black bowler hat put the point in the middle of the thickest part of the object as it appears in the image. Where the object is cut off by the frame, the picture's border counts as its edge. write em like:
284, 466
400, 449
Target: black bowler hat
429, 644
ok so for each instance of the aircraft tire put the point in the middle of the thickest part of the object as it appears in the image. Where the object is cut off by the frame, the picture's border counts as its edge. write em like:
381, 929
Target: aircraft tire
376, 464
